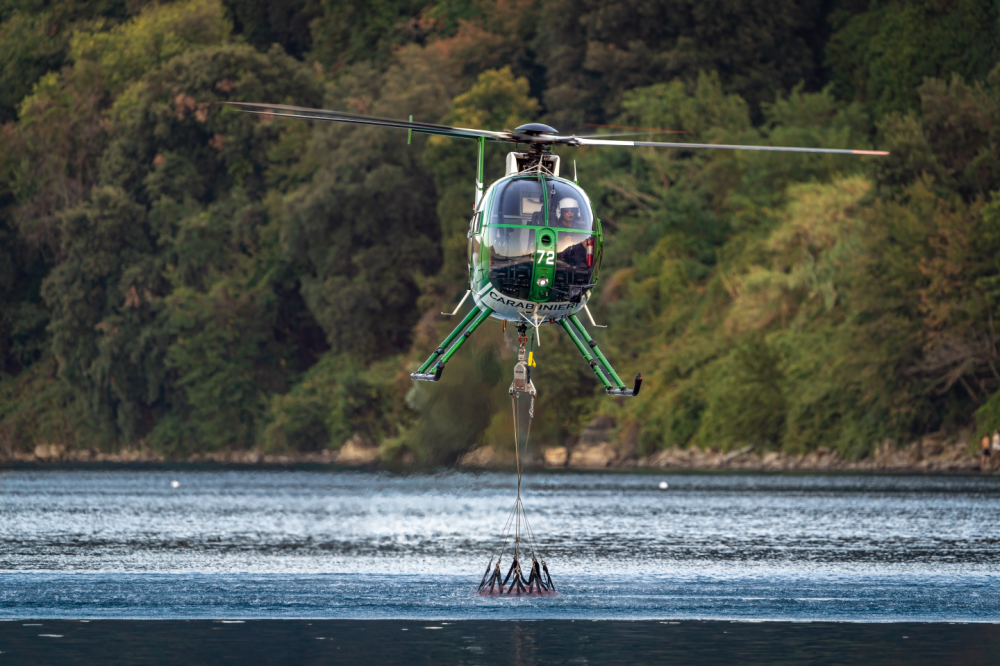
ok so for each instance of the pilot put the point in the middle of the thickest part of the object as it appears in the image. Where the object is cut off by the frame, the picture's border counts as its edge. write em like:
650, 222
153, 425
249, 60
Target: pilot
567, 213
573, 256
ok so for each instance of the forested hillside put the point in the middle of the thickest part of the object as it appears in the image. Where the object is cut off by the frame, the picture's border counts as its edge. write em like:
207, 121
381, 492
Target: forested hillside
179, 276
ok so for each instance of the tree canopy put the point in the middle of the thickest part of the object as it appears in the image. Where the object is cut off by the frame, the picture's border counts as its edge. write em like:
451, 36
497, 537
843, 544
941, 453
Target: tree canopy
178, 275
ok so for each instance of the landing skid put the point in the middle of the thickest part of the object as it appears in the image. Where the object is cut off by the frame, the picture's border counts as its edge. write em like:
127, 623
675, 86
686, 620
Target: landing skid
432, 368
613, 385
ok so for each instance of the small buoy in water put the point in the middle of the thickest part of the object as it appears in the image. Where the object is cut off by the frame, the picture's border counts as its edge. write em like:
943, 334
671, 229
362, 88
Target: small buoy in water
663, 485
175, 484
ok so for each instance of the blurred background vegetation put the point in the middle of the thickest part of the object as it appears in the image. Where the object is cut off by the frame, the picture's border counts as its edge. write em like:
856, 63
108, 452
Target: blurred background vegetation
179, 276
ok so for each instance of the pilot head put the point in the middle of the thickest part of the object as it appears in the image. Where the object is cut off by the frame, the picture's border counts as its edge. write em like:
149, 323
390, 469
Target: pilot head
567, 212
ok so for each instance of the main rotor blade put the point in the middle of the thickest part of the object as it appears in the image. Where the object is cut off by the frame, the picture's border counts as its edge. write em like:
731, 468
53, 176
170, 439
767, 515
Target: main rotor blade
723, 146
285, 111
601, 136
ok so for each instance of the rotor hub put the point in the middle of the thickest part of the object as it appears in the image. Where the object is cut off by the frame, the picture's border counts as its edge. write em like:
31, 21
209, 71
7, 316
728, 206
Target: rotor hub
536, 129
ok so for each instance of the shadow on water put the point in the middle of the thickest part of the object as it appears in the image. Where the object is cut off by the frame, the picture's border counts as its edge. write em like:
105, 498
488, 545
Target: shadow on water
113, 642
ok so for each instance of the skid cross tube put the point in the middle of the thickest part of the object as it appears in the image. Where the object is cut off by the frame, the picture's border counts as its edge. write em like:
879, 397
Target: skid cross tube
586, 353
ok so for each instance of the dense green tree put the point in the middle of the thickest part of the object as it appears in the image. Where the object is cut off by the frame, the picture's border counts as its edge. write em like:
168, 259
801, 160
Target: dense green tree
881, 55
23, 315
364, 229
30, 46
185, 178
99, 324
596, 51
346, 32
62, 131
178, 273
953, 138
266, 22
73, 10
35, 39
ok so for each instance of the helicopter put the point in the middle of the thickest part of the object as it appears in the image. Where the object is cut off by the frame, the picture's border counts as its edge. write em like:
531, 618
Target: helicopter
535, 246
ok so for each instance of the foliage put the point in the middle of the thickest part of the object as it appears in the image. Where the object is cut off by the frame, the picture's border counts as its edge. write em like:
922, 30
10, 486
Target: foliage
363, 229
596, 52
35, 37
28, 49
883, 54
124, 53
36, 407
177, 273
334, 400
264, 23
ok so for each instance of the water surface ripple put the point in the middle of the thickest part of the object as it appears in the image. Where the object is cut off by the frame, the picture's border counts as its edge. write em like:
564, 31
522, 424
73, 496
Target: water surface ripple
292, 543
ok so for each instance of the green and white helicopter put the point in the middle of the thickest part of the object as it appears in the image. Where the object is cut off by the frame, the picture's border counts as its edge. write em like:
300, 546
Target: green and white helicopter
535, 245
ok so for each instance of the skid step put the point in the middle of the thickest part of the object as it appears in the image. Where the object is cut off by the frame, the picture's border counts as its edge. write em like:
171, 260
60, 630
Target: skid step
428, 376
627, 393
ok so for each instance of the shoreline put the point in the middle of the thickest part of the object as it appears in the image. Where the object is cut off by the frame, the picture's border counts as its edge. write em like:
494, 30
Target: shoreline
928, 456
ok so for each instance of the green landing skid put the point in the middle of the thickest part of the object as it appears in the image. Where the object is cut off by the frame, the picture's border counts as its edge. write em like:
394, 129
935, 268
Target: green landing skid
432, 368
613, 385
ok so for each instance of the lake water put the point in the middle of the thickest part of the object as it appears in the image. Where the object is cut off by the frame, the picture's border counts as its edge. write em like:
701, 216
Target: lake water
357, 545
348, 545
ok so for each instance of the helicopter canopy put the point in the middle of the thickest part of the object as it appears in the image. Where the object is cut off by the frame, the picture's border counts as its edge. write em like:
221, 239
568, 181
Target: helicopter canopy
537, 257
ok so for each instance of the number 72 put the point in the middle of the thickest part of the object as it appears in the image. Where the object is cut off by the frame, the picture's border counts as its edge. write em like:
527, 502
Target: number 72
546, 257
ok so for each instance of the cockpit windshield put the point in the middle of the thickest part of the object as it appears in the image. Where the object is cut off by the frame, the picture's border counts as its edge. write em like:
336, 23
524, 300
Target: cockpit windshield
537, 256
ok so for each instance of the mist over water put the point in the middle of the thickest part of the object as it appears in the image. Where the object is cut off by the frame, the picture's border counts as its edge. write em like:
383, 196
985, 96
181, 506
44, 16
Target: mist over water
258, 544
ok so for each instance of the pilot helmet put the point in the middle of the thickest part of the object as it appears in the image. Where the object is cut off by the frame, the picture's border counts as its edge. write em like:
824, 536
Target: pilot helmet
567, 203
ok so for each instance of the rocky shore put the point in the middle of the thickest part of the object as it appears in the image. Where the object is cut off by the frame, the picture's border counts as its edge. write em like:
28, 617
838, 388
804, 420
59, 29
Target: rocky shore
913, 458
354, 452
598, 447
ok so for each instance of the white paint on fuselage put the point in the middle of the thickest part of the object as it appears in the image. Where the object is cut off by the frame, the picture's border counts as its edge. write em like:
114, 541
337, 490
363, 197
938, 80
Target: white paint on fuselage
512, 309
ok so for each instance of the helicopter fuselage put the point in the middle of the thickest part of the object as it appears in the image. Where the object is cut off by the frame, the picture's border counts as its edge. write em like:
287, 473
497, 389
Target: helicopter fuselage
534, 248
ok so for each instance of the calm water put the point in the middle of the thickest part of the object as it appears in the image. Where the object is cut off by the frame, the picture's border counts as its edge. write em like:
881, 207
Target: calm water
377, 642
254, 545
